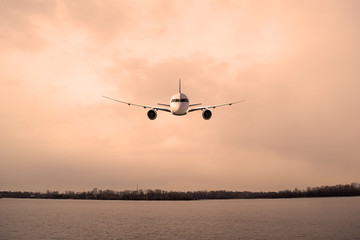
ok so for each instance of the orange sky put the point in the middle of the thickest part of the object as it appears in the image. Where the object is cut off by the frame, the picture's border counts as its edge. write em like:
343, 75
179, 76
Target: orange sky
297, 63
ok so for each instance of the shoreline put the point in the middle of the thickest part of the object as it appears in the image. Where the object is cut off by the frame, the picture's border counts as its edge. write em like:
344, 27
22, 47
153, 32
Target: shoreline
347, 190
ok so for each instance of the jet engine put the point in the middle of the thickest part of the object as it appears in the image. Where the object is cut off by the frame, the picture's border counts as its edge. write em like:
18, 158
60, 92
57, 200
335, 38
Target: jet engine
152, 114
206, 114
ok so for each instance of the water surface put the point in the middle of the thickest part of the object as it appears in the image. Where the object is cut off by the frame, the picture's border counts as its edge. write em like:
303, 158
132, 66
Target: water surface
306, 218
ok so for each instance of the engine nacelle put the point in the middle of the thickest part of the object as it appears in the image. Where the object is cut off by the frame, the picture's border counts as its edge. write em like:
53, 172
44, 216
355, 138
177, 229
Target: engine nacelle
152, 114
206, 114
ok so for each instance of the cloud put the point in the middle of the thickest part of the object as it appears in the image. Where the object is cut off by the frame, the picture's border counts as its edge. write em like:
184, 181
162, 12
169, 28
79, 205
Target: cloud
19, 23
295, 64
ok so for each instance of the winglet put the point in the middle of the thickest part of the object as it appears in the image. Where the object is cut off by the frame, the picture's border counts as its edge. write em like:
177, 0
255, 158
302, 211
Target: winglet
179, 85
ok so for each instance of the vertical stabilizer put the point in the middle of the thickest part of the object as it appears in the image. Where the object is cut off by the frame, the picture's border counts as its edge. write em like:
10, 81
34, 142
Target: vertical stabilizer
179, 85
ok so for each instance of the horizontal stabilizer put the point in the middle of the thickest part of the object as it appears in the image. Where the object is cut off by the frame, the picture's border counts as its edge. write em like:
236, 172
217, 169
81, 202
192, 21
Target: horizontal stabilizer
166, 105
195, 104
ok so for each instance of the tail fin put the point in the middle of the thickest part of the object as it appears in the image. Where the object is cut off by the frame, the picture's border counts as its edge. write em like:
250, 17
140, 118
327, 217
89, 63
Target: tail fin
179, 85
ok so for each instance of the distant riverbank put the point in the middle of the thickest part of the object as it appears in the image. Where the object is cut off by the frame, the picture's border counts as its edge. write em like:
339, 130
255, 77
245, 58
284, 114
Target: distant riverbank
323, 191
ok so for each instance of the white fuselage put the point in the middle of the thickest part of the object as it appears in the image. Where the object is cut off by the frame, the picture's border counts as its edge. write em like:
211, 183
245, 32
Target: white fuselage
179, 104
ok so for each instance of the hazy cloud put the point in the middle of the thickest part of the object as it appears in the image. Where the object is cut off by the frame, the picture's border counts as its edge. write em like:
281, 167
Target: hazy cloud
296, 64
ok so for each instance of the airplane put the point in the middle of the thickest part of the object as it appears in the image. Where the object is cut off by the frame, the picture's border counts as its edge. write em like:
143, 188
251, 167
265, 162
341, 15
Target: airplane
179, 106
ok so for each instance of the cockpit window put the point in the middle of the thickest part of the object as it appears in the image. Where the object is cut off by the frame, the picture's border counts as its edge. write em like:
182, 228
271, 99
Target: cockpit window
179, 100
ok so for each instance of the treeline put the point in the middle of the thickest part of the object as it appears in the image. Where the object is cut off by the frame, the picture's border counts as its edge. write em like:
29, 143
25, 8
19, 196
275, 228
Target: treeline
323, 191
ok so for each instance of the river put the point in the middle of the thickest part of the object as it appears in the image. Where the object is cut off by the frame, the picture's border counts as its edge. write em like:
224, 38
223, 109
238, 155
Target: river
301, 218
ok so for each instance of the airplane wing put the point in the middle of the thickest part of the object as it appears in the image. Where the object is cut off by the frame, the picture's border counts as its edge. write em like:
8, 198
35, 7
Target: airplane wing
214, 106
138, 105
